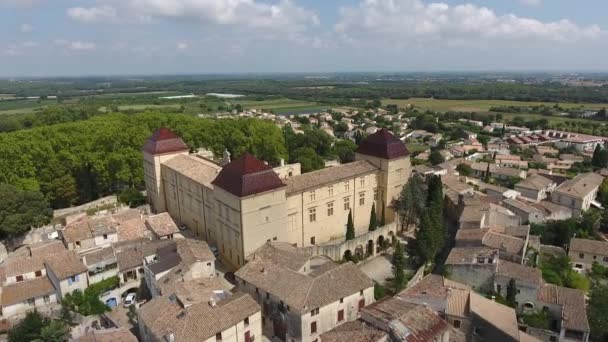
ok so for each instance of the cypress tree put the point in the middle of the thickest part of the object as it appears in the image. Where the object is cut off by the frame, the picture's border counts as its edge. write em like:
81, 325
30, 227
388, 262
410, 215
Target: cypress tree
398, 262
512, 293
373, 224
487, 177
350, 227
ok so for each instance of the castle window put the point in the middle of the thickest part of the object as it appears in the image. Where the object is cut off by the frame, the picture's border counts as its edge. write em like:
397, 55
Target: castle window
330, 190
375, 194
362, 181
361, 198
312, 215
346, 203
312, 195
346, 186
330, 209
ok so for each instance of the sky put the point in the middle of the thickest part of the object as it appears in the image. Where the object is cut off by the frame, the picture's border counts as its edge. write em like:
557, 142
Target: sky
148, 37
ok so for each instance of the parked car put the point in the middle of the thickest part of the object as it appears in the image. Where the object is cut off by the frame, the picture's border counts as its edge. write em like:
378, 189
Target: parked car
129, 300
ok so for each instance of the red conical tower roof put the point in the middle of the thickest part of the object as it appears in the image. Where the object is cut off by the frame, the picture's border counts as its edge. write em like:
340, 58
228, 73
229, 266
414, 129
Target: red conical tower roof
246, 176
164, 141
383, 144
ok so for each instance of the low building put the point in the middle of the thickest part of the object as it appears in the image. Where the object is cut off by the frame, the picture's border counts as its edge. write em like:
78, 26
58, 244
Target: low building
527, 212
475, 317
354, 331
535, 187
162, 226
511, 248
107, 335
303, 296
584, 253
200, 312
497, 172
405, 321
67, 273
578, 193
101, 264
568, 311
87, 233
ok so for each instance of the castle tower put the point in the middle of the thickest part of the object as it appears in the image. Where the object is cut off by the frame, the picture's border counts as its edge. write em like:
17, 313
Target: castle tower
392, 157
160, 147
252, 208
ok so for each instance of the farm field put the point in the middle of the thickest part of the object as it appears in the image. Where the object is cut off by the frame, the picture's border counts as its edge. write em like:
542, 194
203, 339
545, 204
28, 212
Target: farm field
23, 106
479, 105
281, 106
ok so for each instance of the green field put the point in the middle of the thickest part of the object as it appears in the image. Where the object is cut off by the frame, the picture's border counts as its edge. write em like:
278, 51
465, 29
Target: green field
280, 106
23, 106
479, 105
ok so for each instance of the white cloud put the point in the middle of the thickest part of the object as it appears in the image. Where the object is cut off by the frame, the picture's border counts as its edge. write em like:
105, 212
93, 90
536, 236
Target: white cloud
75, 45
92, 14
25, 28
18, 49
283, 15
532, 3
182, 46
419, 20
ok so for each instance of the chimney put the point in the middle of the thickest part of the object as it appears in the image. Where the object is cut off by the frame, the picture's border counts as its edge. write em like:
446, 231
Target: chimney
212, 302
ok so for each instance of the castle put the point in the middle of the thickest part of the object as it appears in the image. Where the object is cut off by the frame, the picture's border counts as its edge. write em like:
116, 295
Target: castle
245, 203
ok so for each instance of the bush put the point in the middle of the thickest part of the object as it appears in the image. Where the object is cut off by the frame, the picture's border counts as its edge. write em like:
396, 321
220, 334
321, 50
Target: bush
87, 303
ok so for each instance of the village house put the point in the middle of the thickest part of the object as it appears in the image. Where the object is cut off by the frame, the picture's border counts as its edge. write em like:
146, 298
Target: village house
198, 311
107, 335
162, 226
243, 204
303, 296
511, 247
354, 331
535, 187
578, 193
405, 321
581, 142
101, 264
528, 213
584, 253
497, 172
186, 259
471, 315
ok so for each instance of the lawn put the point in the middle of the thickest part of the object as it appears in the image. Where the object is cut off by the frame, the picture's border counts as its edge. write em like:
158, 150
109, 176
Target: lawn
478, 105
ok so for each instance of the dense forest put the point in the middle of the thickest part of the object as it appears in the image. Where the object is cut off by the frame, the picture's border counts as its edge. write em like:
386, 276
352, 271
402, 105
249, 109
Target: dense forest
80, 161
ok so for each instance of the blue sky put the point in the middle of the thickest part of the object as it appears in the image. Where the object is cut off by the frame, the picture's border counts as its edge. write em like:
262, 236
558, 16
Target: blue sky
111, 37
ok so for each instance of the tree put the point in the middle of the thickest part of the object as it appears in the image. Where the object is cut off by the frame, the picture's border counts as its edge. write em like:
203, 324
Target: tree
132, 197
424, 248
28, 329
436, 157
600, 157
383, 217
308, 158
350, 227
464, 169
487, 176
345, 150
398, 262
602, 194
512, 293
410, 204
597, 312
21, 209
373, 224
54, 331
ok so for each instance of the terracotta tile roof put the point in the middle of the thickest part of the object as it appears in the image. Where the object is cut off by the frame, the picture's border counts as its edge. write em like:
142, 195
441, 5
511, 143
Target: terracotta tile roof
383, 144
164, 141
77, 231
500, 316
504, 242
162, 224
470, 236
431, 286
130, 255
126, 215
457, 303
65, 265
455, 184
99, 256
197, 322
572, 302
247, 176
589, 246
535, 182
581, 185
197, 169
191, 251
410, 322
19, 292
132, 229
27, 260
303, 290
328, 176
521, 273
108, 335
353, 331
469, 255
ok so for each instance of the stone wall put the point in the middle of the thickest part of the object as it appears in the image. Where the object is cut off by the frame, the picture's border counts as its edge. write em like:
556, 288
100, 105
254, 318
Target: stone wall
359, 246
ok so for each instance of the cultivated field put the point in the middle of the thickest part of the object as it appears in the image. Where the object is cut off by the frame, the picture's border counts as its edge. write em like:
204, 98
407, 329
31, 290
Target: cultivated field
479, 105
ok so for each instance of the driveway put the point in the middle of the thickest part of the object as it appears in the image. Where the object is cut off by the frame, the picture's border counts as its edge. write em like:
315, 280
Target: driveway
379, 268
